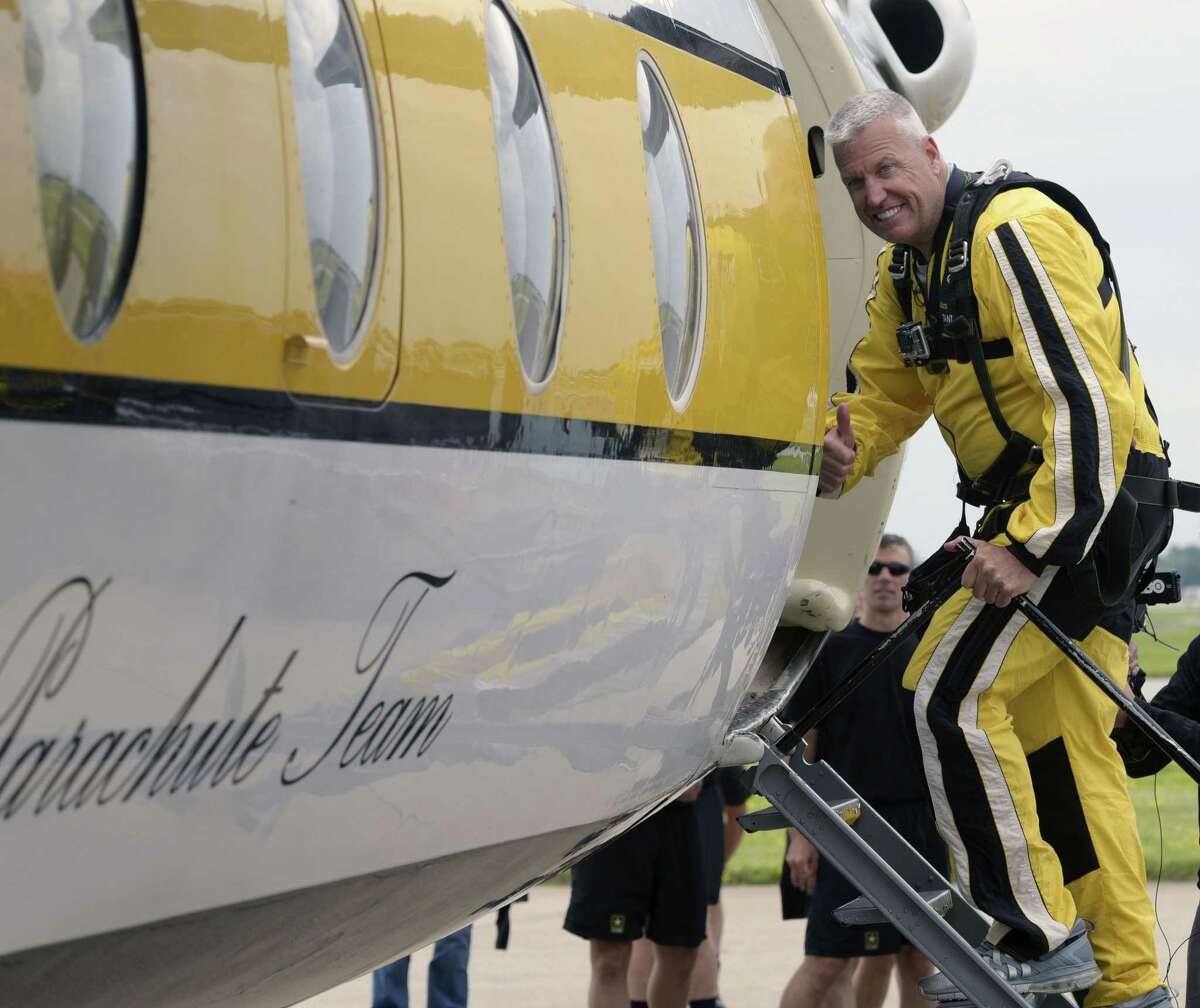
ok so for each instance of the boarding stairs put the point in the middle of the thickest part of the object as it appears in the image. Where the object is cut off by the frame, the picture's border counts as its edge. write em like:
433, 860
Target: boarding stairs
897, 883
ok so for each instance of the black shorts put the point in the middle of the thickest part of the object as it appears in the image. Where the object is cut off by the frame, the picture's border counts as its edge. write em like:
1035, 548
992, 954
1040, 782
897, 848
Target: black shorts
824, 936
710, 815
648, 881
724, 788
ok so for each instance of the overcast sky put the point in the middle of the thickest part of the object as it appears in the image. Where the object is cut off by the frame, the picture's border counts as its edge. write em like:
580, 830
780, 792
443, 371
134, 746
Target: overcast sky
1102, 97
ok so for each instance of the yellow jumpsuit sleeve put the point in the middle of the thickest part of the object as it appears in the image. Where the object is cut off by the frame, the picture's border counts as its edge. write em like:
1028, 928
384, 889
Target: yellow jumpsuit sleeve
887, 401
1040, 287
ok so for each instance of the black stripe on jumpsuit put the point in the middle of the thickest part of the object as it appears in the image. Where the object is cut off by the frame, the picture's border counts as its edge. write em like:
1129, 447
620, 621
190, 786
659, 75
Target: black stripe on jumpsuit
1084, 504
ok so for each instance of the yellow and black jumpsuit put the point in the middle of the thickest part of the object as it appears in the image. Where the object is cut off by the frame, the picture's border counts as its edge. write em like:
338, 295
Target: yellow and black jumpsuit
1028, 789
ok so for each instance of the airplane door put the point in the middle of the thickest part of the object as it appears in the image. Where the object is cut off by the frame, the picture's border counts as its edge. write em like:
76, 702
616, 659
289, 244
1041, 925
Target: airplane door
342, 338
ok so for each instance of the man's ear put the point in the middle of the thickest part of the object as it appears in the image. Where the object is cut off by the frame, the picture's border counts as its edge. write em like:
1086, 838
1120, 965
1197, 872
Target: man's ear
929, 148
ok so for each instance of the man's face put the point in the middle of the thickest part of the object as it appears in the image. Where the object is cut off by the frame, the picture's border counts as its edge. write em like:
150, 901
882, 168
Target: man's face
881, 591
897, 184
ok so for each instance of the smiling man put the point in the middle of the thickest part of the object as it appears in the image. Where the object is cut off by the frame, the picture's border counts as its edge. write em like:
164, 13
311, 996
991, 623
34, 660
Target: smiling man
995, 309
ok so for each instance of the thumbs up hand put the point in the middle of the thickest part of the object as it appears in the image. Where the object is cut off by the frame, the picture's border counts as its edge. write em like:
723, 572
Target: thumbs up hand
838, 454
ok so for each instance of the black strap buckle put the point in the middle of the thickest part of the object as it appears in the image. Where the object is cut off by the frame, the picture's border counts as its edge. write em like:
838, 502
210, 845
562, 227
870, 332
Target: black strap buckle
1164, 493
1004, 481
981, 494
898, 267
958, 256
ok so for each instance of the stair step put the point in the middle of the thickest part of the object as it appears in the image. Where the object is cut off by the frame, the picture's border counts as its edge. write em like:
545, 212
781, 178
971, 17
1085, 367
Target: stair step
767, 819
862, 911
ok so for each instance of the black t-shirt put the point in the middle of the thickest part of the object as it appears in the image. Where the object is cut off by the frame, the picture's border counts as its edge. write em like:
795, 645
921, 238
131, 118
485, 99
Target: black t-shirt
1176, 708
871, 737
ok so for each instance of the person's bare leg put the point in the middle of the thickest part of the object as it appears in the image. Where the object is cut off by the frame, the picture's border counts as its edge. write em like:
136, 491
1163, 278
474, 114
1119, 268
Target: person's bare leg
610, 963
911, 966
820, 982
641, 962
705, 983
715, 925
871, 980
704, 977
671, 976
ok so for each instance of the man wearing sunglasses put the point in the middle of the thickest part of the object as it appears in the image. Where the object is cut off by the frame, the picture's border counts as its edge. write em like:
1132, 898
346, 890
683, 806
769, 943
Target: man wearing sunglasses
870, 740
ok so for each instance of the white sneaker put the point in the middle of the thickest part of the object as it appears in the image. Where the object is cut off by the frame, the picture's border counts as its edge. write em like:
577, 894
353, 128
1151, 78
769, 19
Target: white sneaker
1071, 966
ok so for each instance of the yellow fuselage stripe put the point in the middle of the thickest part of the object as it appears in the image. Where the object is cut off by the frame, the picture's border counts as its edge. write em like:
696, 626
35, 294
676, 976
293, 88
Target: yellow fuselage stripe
222, 275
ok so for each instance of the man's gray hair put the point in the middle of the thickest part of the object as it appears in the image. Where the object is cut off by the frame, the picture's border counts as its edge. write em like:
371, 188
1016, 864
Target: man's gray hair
865, 109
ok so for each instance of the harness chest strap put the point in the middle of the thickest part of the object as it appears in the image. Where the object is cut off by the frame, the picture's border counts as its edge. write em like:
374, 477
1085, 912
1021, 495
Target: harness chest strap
1164, 493
1176, 495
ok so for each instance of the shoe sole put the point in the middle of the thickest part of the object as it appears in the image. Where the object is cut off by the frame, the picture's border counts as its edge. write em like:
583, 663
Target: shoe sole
1076, 981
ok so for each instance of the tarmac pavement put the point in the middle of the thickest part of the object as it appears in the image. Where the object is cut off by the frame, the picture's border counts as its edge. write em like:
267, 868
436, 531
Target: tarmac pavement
544, 967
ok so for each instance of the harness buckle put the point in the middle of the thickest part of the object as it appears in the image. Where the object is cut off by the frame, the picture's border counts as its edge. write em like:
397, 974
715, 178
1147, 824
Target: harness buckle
957, 256
1000, 170
898, 267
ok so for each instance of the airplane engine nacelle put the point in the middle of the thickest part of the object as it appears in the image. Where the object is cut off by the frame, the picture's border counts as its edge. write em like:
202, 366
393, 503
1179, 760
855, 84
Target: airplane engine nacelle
924, 49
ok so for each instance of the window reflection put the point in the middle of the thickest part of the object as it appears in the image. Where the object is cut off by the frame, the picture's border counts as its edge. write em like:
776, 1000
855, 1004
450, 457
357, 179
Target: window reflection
676, 230
83, 75
336, 133
735, 23
530, 195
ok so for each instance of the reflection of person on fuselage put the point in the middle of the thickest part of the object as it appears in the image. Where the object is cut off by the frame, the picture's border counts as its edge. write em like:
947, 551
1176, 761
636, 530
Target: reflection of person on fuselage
1006, 725
870, 740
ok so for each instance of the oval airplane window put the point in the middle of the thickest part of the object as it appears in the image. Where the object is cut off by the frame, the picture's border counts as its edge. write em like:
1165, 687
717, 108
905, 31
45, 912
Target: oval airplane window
677, 233
83, 72
335, 126
531, 195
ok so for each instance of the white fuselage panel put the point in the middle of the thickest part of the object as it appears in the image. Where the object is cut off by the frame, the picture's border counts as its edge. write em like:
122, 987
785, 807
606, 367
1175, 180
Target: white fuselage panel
393, 654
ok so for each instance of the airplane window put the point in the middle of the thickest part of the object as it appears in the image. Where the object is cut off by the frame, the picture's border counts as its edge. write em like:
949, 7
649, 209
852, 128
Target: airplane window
335, 124
677, 232
84, 78
531, 195
735, 23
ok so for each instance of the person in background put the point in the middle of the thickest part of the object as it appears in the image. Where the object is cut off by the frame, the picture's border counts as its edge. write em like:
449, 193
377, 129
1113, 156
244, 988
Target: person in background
647, 881
722, 799
870, 739
1176, 708
447, 976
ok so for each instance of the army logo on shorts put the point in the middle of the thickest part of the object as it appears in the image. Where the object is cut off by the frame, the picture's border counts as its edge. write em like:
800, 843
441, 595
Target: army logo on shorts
616, 924
871, 941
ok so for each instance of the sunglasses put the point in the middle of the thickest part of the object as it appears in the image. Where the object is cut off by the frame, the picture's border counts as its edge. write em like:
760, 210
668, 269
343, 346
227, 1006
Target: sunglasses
894, 568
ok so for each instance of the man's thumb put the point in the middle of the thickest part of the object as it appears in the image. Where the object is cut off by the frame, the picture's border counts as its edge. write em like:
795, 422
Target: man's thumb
845, 431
